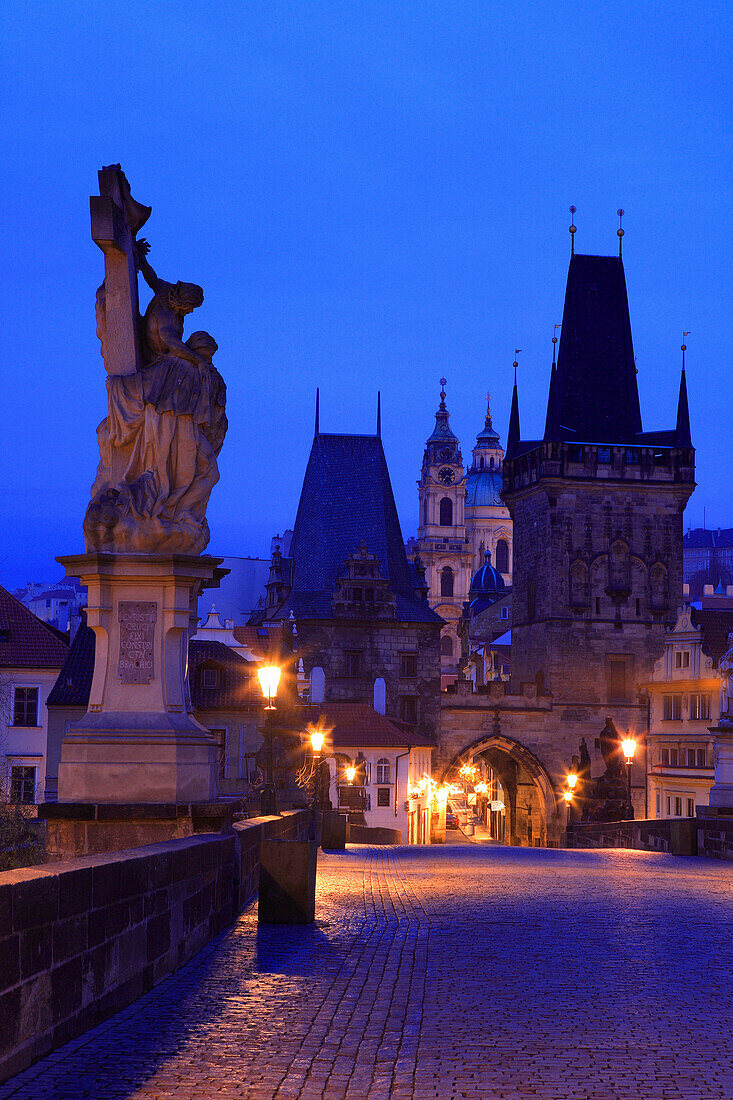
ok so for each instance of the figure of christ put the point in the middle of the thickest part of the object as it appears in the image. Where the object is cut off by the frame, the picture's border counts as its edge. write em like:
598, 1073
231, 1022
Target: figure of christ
164, 429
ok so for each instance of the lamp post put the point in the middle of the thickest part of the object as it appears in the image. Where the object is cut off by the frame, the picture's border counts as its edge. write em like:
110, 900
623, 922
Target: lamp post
269, 678
316, 738
628, 747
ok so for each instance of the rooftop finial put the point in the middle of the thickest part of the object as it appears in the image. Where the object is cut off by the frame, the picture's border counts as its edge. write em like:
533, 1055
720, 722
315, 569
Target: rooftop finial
442, 392
573, 231
554, 342
515, 363
488, 410
683, 347
318, 398
620, 231
379, 414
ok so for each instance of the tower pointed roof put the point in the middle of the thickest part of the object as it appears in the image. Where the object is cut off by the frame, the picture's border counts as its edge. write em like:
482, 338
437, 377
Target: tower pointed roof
347, 502
593, 392
489, 437
442, 431
682, 433
512, 439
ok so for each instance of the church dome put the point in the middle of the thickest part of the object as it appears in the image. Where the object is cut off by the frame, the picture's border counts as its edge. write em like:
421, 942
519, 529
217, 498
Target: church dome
487, 586
483, 486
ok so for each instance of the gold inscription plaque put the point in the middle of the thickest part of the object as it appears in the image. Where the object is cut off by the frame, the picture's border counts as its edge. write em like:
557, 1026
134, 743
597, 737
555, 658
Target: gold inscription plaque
137, 638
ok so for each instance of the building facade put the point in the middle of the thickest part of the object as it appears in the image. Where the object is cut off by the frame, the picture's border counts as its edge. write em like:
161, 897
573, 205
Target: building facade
687, 696
461, 518
597, 507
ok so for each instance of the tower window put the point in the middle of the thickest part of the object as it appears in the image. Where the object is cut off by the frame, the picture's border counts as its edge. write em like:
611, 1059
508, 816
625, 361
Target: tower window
491, 463
446, 512
481, 463
502, 556
425, 513
446, 646
446, 581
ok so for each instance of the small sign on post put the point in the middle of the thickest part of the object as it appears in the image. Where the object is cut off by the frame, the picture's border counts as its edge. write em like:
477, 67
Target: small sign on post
137, 620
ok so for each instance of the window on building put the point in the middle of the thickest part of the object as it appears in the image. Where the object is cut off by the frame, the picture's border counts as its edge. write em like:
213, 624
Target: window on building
690, 758
673, 758
481, 464
504, 612
446, 512
23, 784
210, 678
617, 679
632, 457
369, 595
25, 707
446, 646
702, 758
502, 556
383, 796
408, 708
700, 706
425, 513
383, 770
678, 807
408, 664
604, 455
671, 708
690, 807
352, 662
446, 581
658, 804
665, 758
598, 605
682, 658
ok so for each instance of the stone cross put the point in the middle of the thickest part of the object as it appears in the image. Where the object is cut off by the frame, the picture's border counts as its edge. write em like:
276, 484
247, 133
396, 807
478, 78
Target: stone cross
116, 218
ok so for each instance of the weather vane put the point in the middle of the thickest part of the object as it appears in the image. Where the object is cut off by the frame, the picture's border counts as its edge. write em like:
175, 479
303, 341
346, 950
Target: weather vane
683, 346
573, 230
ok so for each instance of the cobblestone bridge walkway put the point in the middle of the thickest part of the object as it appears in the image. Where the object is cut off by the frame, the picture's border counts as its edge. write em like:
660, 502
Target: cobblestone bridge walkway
459, 972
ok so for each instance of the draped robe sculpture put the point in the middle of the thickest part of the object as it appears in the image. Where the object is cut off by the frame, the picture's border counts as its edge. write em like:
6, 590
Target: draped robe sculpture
166, 417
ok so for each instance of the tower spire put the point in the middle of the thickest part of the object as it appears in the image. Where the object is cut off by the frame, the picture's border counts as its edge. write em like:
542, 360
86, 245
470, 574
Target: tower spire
379, 414
512, 441
683, 437
317, 410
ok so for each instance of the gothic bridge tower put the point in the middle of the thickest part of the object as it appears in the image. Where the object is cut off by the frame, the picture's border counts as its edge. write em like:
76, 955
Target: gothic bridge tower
597, 508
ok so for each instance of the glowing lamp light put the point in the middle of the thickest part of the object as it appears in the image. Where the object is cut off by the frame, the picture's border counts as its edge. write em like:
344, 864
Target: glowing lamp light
572, 780
568, 796
317, 738
422, 784
628, 747
351, 773
269, 678
481, 788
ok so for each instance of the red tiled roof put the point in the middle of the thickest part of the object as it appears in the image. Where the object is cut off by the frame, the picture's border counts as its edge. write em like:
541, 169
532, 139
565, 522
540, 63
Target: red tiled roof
25, 641
357, 725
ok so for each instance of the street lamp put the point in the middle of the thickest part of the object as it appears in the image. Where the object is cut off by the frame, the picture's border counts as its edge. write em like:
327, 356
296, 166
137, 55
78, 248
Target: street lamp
317, 738
628, 747
269, 677
572, 780
351, 773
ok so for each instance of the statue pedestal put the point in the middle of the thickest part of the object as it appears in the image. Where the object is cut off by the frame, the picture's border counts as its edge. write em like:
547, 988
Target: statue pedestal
721, 793
139, 742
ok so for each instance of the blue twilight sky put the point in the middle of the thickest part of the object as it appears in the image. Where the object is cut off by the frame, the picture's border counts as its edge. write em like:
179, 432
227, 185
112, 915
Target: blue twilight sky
372, 195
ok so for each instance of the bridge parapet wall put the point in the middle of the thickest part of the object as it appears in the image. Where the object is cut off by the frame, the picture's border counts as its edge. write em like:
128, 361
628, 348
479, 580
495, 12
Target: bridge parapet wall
82, 938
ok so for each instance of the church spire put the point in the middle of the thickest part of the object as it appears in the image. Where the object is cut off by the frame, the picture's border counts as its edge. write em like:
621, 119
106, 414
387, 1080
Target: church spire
512, 441
682, 433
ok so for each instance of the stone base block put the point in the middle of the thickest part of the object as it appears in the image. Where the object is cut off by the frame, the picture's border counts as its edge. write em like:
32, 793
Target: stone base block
83, 828
333, 832
287, 893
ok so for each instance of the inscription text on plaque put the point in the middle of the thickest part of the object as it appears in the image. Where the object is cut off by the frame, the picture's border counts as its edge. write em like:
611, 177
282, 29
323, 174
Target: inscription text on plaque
137, 637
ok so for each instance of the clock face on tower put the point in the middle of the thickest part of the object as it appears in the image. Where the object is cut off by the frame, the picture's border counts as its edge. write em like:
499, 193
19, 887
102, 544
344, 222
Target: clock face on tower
446, 476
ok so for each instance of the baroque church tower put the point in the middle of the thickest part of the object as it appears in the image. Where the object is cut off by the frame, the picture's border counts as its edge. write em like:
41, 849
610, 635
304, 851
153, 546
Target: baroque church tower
597, 507
462, 517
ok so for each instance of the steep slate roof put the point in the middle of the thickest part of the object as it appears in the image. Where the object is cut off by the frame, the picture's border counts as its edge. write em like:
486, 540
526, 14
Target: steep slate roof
593, 392
357, 725
75, 679
347, 500
26, 641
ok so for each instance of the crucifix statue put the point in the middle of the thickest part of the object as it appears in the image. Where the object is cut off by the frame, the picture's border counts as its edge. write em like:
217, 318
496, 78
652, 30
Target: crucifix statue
166, 401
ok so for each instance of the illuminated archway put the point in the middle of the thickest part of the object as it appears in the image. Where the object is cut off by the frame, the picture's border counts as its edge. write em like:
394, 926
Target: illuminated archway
533, 809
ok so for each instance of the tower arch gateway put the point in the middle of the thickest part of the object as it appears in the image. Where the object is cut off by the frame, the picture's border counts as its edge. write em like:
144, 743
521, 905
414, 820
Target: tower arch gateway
532, 812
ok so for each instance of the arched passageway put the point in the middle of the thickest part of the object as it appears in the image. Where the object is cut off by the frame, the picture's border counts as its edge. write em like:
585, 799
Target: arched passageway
516, 802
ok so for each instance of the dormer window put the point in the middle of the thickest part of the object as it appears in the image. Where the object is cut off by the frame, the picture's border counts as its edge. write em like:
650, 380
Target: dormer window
210, 677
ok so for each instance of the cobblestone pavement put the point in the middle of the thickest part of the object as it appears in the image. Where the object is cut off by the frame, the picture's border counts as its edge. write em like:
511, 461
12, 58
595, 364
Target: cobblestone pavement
467, 971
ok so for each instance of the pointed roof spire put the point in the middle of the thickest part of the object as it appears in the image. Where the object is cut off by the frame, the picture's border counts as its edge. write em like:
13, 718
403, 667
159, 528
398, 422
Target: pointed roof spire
512, 441
682, 433
442, 429
489, 437
595, 398
318, 397
552, 419
379, 414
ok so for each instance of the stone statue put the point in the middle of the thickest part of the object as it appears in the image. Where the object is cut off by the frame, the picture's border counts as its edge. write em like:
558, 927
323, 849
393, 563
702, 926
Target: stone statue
166, 417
